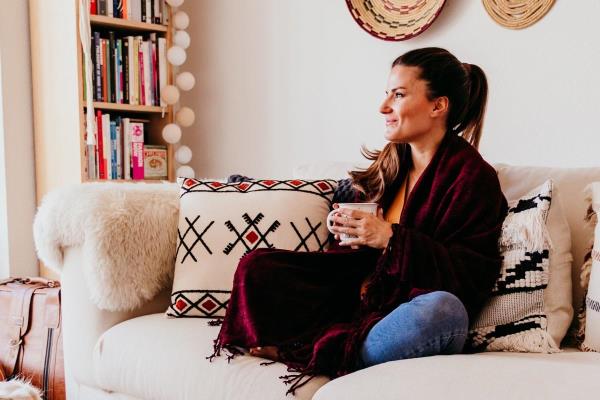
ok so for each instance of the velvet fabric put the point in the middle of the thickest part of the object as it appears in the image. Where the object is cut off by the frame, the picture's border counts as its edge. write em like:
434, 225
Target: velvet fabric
308, 305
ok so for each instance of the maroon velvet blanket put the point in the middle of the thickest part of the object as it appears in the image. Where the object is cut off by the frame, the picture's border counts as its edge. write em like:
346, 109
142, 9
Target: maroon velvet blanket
308, 304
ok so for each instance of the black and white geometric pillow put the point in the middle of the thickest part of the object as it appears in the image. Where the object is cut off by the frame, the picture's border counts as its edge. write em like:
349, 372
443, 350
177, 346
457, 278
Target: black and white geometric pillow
220, 222
514, 318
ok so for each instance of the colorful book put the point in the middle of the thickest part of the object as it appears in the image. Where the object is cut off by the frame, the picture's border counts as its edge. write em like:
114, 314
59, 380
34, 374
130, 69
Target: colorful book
126, 149
111, 67
100, 146
125, 63
107, 145
93, 7
113, 150
137, 150
141, 72
119, 140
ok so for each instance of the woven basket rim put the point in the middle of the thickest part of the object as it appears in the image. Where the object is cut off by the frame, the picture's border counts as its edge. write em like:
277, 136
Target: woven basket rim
395, 25
517, 14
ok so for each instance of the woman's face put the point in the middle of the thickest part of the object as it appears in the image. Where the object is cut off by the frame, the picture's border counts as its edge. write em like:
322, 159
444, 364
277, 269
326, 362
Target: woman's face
407, 110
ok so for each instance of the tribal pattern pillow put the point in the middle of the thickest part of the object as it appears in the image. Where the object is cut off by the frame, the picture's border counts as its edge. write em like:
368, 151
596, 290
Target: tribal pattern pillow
220, 222
515, 318
588, 317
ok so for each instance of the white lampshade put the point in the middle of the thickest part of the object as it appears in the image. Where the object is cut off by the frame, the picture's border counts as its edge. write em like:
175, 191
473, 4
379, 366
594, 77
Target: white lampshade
183, 155
181, 20
170, 94
171, 133
186, 171
182, 39
176, 55
185, 81
185, 117
175, 3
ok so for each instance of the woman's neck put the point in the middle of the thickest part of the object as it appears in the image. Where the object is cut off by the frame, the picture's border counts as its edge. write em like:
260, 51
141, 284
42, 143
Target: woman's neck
422, 152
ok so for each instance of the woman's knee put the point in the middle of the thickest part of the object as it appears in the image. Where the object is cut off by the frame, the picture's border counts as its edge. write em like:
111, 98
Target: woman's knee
252, 264
444, 306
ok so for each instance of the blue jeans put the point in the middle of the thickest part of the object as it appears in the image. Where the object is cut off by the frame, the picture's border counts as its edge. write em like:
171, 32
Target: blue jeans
430, 324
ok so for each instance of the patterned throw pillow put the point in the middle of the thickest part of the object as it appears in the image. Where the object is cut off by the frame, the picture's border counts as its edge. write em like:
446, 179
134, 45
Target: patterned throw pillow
220, 222
588, 335
515, 317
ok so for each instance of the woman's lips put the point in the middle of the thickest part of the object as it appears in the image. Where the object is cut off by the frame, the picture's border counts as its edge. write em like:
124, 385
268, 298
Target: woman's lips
390, 122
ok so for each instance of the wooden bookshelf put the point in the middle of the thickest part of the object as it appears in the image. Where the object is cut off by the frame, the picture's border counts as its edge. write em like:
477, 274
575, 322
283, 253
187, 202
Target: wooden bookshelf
129, 108
123, 24
59, 108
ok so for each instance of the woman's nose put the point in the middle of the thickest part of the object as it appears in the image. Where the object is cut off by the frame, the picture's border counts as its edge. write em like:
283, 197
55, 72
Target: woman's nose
385, 108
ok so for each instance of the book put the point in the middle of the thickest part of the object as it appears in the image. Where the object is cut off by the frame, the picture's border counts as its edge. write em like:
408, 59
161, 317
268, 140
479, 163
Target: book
119, 145
147, 73
155, 162
106, 145
126, 148
113, 150
103, 71
93, 7
111, 67
137, 150
162, 67
109, 8
100, 146
142, 88
97, 67
126, 69
154, 69
101, 7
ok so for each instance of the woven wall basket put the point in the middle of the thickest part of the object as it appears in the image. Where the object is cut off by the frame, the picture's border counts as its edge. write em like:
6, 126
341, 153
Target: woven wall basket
395, 20
517, 14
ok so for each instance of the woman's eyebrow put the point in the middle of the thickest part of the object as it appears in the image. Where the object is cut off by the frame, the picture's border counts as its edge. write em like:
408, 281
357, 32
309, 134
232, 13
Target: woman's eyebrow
394, 89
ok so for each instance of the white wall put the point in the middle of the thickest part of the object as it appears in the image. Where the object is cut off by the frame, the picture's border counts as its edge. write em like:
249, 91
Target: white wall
281, 82
17, 177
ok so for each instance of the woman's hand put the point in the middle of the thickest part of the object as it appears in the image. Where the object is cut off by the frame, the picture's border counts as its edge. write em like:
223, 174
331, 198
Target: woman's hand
370, 230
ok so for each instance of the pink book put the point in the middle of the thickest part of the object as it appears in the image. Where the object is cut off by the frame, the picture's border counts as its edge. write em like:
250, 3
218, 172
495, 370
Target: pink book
137, 150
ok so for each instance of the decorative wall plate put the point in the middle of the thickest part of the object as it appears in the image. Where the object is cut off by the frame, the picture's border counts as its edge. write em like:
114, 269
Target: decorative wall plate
517, 14
395, 20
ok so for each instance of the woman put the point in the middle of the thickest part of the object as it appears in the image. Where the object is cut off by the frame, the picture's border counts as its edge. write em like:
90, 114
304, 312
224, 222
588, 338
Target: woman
417, 272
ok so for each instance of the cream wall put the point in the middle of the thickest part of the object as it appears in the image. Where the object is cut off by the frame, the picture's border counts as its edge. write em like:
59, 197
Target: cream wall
282, 82
17, 178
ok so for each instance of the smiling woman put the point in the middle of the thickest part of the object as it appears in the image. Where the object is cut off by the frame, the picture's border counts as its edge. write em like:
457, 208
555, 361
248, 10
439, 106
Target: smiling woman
421, 267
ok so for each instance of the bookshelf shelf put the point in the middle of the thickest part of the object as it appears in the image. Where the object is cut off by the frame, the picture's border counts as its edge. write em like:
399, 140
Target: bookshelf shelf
128, 107
123, 24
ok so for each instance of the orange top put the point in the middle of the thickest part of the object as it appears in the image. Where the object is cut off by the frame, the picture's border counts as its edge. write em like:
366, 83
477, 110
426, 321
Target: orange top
393, 213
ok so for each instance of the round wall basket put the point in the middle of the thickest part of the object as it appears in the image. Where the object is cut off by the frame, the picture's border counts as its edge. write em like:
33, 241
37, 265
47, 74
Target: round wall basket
517, 14
395, 20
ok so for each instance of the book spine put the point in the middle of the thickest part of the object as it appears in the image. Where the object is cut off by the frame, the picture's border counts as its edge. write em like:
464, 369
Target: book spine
126, 149
111, 67
121, 75
97, 68
154, 69
156, 11
118, 8
119, 140
117, 80
162, 67
109, 8
100, 145
93, 7
147, 74
107, 145
113, 150
103, 60
126, 83
137, 150
143, 7
141, 74
101, 7
134, 70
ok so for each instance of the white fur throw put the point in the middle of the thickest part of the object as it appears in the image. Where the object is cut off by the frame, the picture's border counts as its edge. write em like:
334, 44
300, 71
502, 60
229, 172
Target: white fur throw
19, 389
127, 232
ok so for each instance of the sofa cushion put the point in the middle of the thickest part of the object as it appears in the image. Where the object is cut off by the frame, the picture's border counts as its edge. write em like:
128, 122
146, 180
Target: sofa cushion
515, 317
496, 375
221, 222
151, 357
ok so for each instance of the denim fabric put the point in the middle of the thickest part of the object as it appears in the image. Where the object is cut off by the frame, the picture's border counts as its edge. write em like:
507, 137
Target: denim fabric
430, 324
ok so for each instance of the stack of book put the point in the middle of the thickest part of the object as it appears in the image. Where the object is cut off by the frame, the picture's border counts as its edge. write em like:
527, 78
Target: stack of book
120, 152
128, 70
150, 11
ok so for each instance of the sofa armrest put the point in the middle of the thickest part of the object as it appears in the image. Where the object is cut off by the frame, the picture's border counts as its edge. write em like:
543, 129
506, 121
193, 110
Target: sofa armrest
83, 322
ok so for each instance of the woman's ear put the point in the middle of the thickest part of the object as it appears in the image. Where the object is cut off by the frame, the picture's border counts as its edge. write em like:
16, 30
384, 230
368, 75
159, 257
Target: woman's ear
440, 106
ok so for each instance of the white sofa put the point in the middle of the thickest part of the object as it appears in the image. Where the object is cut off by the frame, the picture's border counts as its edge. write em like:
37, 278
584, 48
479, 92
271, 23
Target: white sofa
143, 355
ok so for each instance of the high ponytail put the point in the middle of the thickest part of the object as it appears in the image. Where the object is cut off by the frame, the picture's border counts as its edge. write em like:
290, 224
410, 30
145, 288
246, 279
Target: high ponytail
471, 124
465, 86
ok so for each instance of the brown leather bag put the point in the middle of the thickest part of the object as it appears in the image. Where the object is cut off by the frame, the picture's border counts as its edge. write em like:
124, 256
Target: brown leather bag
30, 334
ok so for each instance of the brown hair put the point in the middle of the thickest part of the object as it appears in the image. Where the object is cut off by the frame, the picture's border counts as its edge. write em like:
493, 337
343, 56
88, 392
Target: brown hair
465, 86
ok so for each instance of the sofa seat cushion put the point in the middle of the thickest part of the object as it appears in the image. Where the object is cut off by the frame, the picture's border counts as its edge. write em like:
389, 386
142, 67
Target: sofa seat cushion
571, 374
152, 357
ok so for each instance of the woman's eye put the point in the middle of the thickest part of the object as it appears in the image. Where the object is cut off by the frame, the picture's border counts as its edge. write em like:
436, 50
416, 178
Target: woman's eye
398, 95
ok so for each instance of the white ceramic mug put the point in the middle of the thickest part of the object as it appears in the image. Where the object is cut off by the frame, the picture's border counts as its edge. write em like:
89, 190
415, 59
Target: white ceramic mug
367, 207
